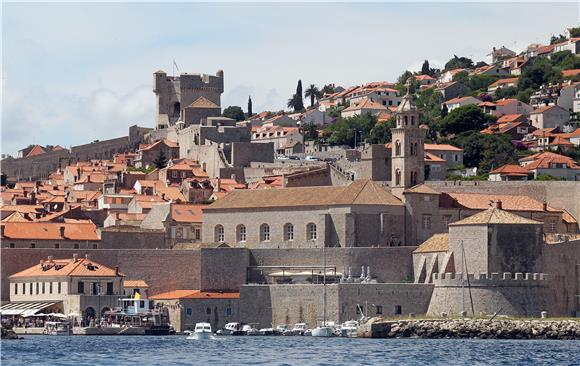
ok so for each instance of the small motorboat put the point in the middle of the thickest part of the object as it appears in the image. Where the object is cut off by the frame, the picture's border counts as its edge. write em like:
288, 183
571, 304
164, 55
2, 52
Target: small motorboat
267, 331
349, 329
281, 329
57, 328
232, 329
326, 329
201, 331
298, 330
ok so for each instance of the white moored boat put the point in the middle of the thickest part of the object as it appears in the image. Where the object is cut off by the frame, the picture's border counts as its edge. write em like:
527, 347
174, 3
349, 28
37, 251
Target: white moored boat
349, 329
57, 328
202, 331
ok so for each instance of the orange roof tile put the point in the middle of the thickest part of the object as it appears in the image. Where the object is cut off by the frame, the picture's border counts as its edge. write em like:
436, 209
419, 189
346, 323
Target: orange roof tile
509, 169
83, 267
482, 201
49, 231
135, 283
570, 73
36, 150
503, 81
194, 294
187, 213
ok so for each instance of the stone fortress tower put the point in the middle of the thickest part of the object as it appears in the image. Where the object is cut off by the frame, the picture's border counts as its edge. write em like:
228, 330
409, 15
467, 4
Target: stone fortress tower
187, 96
408, 157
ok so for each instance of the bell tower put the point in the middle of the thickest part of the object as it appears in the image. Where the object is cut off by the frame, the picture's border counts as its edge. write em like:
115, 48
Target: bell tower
407, 154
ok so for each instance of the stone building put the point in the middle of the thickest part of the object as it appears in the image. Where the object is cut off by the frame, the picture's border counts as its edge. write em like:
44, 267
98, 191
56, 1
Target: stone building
408, 157
77, 285
188, 307
147, 155
360, 214
189, 93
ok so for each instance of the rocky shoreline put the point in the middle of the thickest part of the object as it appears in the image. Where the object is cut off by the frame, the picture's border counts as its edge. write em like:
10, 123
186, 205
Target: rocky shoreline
468, 328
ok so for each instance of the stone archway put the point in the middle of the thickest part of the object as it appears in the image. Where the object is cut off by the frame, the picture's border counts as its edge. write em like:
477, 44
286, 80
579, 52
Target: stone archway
89, 316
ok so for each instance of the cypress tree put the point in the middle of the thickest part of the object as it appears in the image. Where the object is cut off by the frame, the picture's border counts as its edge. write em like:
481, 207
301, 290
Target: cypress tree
250, 106
425, 70
299, 105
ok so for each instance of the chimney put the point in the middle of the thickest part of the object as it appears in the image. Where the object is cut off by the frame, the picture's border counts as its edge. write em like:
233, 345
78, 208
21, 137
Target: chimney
116, 270
75, 258
62, 231
498, 204
545, 205
87, 256
50, 257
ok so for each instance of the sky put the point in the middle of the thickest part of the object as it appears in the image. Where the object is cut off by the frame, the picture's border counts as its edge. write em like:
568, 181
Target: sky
76, 72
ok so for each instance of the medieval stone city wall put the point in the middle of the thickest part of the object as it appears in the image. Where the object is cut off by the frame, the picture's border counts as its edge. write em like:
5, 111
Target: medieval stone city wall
517, 294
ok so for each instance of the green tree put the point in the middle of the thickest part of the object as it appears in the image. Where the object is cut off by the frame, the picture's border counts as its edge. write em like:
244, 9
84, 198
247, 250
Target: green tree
458, 63
234, 112
328, 89
342, 132
546, 177
539, 72
487, 152
404, 76
425, 70
309, 131
506, 92
313, 93
480, 82
250, 106
444, 111
465, 118
381, 132
161, 160
557, 39
296, 102
462, 77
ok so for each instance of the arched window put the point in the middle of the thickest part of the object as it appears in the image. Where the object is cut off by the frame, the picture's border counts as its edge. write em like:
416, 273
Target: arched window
311, 231
406, 120
412, 120
289, 232
265, 232
415, 148
398, 121
412, 147
241, 233
397, 177
219, 234
398, 148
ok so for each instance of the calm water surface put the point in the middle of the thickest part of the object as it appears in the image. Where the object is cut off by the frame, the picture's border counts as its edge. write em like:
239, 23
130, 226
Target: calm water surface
177, 350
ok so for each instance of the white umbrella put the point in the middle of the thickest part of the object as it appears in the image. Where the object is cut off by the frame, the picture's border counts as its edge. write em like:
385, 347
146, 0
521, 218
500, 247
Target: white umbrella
73, 314
58, 315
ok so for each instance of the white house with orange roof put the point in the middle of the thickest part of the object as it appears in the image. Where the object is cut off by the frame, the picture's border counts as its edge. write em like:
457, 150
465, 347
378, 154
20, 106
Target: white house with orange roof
506, 106
502, 83
549, 117
278, 135
364, 106
387, 97
460, 102
55, 235
69, 286
553, 164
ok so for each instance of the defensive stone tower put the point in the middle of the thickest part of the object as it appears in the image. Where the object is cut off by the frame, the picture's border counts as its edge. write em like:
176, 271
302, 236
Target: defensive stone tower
408, 157
175, 93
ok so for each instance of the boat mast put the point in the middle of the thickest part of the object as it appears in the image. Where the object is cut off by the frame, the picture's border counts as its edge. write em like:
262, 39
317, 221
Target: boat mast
324, 282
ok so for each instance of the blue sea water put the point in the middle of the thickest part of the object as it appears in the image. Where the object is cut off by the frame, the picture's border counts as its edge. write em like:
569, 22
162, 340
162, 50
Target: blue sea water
177, 350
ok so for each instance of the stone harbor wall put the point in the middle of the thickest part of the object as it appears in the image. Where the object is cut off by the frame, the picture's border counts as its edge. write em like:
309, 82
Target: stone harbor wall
513, 294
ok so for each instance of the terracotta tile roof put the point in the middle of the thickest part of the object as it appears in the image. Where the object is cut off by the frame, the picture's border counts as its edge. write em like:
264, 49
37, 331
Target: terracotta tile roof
171, 193
423, 77
460, 99
22, 208
166, 142
422, 188
503, 102
83, 267
482, 201
203, 102
17, 217
49, 231
561, 141
436, 243
544, 132
575, 133
194, 294
512, 170
366, 103
135, 283
544, 159
501, 82
187, 213
543, 109
512, 118
36, 150
360, 192
442, 147
130, 216
569, 73
494, 216
432, 158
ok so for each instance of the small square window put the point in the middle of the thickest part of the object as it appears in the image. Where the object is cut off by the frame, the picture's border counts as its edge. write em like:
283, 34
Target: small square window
379, 309
188, 311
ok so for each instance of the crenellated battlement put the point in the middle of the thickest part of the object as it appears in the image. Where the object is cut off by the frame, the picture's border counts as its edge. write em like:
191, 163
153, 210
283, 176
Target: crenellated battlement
489, 279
